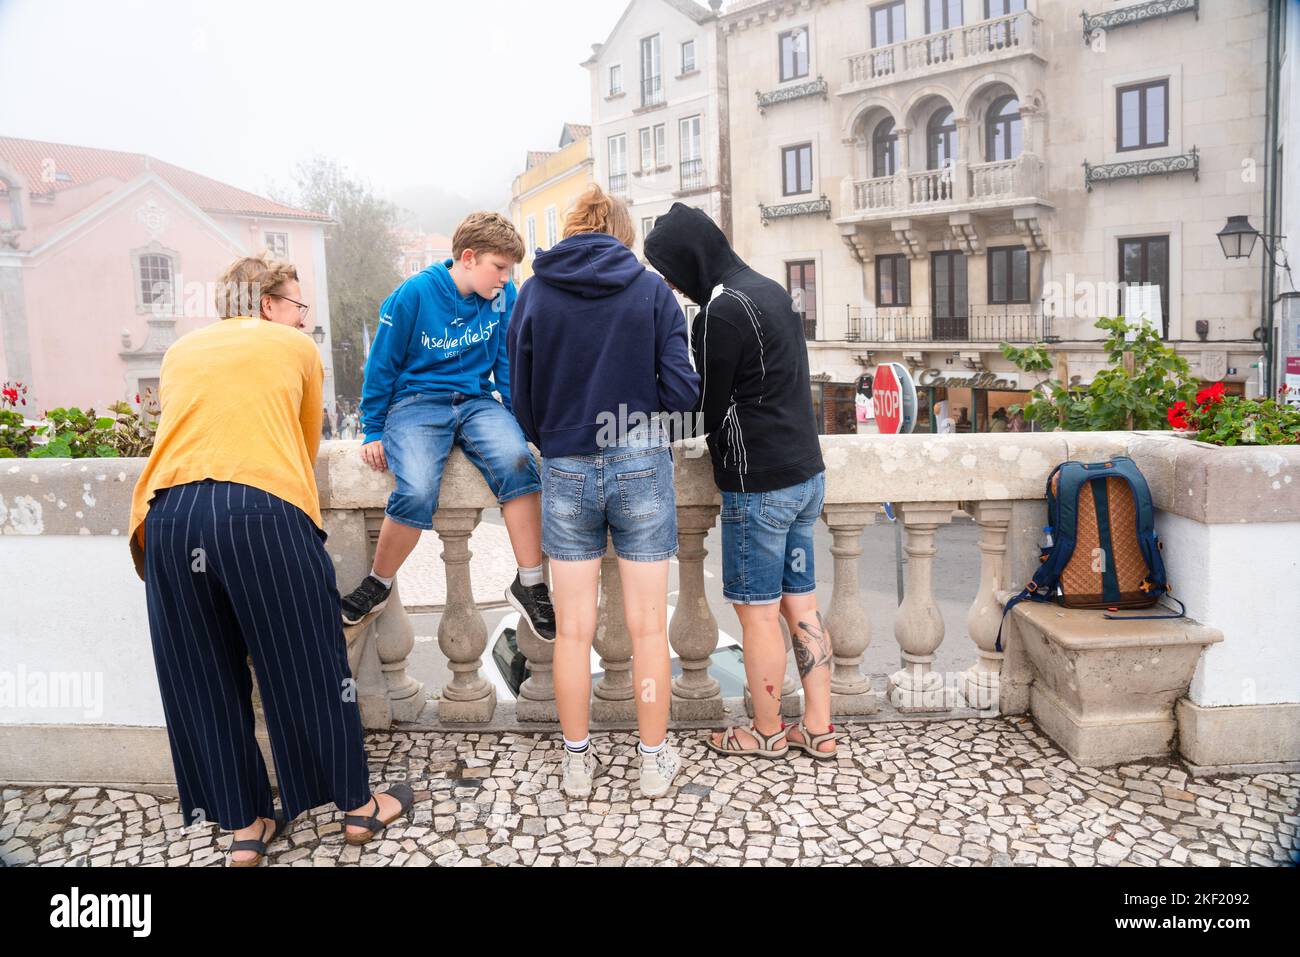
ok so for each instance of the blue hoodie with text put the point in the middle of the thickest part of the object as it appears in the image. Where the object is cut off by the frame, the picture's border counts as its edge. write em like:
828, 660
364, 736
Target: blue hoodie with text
431, 339
595, 335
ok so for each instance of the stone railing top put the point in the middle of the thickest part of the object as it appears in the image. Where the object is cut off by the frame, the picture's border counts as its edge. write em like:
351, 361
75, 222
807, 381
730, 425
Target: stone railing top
1201, 482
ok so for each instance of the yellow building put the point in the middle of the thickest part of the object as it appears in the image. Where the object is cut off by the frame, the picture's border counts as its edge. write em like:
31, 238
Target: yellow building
545, 191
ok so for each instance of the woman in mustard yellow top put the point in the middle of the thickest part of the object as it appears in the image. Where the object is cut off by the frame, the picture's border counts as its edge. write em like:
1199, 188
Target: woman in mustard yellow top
226, 533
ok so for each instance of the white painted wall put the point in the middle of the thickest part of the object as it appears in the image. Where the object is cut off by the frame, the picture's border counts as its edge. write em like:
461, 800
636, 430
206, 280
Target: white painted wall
1242, 580
78, 611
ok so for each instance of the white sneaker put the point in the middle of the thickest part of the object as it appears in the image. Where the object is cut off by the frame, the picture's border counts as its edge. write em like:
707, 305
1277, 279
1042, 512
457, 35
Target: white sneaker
658, 771
579, 769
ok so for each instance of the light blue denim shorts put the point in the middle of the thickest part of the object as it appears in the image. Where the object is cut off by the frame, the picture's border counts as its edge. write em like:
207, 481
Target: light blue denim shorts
625, 493
767, 542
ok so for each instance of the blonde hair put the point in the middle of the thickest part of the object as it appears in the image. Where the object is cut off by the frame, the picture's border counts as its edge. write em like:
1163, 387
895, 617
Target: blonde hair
598, 212
487, 233
241, 287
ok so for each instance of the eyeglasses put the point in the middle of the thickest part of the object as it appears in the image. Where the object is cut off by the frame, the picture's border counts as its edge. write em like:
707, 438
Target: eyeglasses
303, 308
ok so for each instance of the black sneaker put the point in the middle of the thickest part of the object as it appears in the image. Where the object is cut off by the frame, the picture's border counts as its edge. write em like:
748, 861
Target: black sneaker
369, 598
534, 603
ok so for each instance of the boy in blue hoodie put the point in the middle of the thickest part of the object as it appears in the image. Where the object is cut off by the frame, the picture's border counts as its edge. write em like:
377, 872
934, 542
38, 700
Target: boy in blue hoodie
439, 350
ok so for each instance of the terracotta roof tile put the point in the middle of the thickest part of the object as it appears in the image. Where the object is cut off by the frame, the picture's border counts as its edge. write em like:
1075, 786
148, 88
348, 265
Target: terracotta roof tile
53, 167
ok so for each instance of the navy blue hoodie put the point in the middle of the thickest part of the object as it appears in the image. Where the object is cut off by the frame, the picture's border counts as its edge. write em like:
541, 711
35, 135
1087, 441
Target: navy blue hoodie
595, 338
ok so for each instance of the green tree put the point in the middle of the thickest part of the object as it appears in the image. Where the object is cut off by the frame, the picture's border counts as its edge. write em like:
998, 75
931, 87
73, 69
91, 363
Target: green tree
1118, 398
361, 254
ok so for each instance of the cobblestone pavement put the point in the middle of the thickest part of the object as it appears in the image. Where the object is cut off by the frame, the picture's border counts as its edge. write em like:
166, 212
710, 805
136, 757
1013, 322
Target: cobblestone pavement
967, 792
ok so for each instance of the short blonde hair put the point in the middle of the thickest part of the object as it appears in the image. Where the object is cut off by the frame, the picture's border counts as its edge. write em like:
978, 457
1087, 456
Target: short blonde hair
241, 287
597, 212
487, 233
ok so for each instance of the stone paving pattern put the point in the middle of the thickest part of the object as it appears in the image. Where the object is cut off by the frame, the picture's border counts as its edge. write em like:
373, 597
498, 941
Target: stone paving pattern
987, 791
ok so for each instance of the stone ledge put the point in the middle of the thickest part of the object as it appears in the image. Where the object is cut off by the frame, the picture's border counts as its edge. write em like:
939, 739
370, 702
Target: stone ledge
1239, 734
1104, 690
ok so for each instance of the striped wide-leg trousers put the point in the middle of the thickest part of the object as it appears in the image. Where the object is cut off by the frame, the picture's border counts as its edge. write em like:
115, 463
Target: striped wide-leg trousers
233, 572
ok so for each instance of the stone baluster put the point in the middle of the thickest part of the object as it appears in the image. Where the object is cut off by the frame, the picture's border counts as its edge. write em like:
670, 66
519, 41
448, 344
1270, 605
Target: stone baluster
980, 683
613, 696
918, 625
462, 633
394, 641
693, 633
536, 700
847, 618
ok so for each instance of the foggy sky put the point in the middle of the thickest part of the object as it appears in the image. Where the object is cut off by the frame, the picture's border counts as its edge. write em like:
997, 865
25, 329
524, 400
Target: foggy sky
403, 93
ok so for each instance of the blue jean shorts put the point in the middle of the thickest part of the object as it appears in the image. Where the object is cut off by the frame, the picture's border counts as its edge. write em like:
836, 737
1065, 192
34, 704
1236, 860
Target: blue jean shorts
624, 493
767, 542
418, 435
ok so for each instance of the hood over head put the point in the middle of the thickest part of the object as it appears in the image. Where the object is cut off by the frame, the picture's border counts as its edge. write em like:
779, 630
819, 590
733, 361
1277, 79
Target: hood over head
691, 252
590, 265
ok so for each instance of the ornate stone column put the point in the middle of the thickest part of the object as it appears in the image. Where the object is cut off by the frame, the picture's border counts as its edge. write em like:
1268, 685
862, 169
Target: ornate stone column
693, 632
919, 623
980, 683
394, 640
462, 633
536, 700
847, 618
613, 695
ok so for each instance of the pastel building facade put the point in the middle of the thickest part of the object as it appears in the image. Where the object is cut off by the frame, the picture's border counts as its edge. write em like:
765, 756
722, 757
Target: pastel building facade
106, 258
542, 195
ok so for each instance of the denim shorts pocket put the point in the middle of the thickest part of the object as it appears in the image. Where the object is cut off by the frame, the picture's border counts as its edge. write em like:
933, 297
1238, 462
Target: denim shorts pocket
563, 495
639, 492
779, 511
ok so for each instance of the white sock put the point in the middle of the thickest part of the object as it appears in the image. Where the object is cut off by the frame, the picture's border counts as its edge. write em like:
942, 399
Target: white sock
577, 746
528, 577
387, 582
655, 750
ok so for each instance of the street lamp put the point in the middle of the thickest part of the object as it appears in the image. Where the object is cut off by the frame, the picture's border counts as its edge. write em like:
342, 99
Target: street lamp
1238, 238
319, 335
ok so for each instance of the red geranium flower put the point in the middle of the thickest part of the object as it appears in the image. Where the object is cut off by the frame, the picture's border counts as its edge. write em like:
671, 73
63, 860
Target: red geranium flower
1211, 395
11, 395
1178, 416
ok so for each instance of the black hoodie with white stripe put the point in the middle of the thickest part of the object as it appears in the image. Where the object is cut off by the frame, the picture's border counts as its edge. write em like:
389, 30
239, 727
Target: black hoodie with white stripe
756, 401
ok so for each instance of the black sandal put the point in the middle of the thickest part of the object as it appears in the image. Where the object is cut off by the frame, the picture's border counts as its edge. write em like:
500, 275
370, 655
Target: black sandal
405, 797
252, 844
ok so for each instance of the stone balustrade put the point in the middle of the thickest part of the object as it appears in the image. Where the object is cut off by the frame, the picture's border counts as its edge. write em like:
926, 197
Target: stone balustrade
1230, 519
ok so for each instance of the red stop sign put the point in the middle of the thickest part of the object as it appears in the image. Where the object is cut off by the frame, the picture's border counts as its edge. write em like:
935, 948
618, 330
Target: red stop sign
888, 401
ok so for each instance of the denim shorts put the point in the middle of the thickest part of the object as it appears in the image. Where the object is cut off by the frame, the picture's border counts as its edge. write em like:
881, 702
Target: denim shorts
624, 493
418, 435
767, 542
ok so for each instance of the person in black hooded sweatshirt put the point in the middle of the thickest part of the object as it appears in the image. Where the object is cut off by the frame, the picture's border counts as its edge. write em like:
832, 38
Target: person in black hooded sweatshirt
756, 408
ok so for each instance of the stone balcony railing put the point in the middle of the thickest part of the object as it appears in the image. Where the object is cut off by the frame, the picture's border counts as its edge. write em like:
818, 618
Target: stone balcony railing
989, 41
1229, 518
952, 189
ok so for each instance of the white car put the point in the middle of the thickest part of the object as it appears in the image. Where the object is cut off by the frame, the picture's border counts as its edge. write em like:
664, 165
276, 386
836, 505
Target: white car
509, 667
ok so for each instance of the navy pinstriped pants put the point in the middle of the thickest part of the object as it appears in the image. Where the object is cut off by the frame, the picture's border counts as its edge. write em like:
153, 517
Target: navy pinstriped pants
233, 572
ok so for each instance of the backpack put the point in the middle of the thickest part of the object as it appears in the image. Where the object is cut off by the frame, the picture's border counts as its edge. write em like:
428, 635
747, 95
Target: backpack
1101, 549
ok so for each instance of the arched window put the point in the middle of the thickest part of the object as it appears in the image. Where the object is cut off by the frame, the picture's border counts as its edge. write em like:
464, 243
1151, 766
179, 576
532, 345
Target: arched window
884, 149
941, 140
1003, 135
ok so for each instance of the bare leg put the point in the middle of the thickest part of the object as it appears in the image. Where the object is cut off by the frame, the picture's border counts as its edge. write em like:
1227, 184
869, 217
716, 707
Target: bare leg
396, 542
645, 610
764, 650
812, 656
574, 587
523, 518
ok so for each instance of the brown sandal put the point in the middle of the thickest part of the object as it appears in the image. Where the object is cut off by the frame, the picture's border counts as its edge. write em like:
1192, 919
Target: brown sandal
253, 844
405, 797
732, 747
811, 743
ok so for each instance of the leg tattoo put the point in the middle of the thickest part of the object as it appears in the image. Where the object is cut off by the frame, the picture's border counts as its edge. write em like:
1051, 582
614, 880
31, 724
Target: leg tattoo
811, 649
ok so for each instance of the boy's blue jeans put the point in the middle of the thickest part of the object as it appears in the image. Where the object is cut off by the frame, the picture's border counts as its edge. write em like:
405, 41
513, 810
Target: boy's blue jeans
418, 435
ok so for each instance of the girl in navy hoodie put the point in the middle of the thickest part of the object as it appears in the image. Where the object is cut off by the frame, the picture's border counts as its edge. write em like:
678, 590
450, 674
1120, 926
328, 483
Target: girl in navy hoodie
598, 350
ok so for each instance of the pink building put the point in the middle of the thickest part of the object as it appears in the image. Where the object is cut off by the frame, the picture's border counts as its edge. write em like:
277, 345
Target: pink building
421, 250
106, 258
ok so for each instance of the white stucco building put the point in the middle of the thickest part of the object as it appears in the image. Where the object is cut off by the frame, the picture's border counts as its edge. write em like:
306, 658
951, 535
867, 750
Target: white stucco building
936, 176
657, 110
